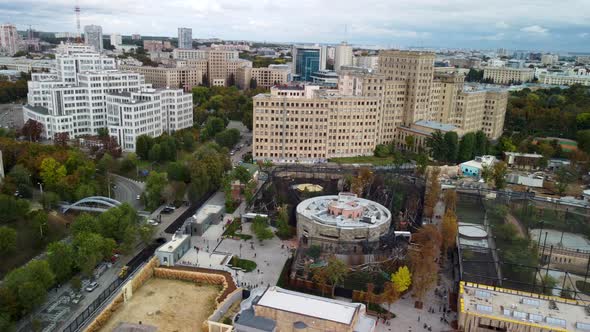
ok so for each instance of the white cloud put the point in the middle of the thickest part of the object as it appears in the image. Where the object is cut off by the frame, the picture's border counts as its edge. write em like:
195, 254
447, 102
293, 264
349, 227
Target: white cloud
583, 34
535, 29
502, 25
498, 36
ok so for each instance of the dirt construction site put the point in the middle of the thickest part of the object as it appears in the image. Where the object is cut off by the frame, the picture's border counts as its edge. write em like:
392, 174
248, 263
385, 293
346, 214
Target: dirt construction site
169, 305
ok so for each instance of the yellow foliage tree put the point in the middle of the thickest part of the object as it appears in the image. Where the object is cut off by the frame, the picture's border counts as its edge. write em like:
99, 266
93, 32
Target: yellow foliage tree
390, 294
402, 279
432, 191
450, 199
449, 230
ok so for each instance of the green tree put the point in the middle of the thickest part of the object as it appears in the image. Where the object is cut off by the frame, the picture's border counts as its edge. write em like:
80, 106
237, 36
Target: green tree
6, 323
76, 283
284, 231
499, 174
565, 177
381, 151
155, 153
155, 183
39, 220
188, 141
90, 250
261, 229
336, 271
213, 126
583, 121
505, 145
12, 209
228, 138
583, 138
451, 141
177, 171
52, 172
436, 143
7, 240
481, 144
242, 174
143, 145
61, 258
200, 95
49, 200
22, 179
314, 251
467, 147
402, 279
31, 295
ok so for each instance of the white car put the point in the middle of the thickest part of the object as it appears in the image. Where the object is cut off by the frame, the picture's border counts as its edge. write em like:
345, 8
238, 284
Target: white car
93, 285
152, 222
138, 197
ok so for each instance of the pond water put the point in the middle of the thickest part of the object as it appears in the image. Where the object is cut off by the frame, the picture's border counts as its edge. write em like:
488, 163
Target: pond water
570, 240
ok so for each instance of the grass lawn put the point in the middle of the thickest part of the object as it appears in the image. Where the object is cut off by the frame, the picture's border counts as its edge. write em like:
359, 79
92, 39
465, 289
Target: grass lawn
245, 264
29, 243
364, 160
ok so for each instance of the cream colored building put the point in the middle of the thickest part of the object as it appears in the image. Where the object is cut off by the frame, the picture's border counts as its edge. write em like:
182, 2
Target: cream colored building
486, 308
505, 75
221, 66
549, 59
406, 94
162, 77
264, 77
563, 79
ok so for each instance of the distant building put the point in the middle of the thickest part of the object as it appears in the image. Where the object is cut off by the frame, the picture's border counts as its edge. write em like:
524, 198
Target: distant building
525, 161
153, 45
9, 39
475, 167
135, 36
276, 310
583, 59
503, 75
93, 37
325, 78
465, 62
163, 77
220, 66
263, 77
549, 59
342, 56
185, 38
308, 60
168, 45
368, 61
561, 78
116, 40
206, 216
487, 308
171, 252
513, 63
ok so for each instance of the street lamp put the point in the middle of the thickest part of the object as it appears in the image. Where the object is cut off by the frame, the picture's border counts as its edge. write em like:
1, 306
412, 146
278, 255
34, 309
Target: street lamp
40, 187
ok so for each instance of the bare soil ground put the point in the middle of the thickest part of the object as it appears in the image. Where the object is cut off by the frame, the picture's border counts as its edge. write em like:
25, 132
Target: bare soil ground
170, 305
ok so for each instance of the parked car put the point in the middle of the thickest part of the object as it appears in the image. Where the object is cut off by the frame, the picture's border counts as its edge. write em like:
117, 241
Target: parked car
138, 197
93, 285
167, 210
152, 222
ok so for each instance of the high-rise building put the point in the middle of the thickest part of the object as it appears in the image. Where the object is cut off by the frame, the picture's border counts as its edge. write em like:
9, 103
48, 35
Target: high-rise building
405, 98
85, 92
9, 39
116, 40
549, 59
342, 56
93, 37
185, 38
308, 60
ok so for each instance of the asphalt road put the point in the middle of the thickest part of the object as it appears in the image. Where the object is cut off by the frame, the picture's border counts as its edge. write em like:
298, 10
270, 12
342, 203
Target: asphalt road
246, 139
11, 116
126, 191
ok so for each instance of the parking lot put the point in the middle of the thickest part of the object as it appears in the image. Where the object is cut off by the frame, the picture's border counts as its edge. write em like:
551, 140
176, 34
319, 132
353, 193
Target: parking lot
11, 116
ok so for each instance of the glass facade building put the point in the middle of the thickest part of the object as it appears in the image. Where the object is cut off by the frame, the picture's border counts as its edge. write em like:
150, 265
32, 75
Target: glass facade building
307, 63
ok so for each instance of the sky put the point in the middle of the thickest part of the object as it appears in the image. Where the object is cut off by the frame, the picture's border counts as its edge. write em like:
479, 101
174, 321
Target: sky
546, 25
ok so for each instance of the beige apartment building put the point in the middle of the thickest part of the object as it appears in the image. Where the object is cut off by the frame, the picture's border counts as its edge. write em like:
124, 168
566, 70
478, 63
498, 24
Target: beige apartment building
162, 77
406, 98
264, 77
221, 65
563, 79
505, 75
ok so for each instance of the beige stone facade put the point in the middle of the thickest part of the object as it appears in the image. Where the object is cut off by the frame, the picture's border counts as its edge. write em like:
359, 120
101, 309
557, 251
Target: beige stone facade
160, 77
221, 66
404, 92
505, 75
264, 77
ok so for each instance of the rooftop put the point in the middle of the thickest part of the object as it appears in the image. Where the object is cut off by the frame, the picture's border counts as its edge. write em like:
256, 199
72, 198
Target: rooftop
344, 210
534, 310
526, 155
309, 305
173, 244
38, 109
206, 211
435, 125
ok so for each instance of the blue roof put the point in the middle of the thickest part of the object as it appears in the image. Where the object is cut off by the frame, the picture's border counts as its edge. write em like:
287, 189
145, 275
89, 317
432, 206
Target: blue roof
436, 125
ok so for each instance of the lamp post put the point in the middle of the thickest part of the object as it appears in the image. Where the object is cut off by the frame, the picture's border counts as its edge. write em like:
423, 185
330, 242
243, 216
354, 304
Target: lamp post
40, 187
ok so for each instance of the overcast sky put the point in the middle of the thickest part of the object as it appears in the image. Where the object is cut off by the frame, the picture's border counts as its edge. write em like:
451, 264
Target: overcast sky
513, 24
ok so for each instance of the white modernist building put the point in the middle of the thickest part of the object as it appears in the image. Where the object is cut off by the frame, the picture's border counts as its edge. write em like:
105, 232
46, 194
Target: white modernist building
116, 40
85, 86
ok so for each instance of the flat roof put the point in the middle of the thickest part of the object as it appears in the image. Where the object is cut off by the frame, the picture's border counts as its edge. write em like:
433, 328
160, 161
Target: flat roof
37, 109
173, 244
309, 305
435, 125
206, 211
535, 310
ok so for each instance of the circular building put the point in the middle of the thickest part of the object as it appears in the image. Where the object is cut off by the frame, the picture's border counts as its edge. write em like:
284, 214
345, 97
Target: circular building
342, 223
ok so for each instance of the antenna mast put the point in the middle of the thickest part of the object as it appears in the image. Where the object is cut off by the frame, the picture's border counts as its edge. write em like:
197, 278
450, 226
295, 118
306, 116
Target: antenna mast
77, 11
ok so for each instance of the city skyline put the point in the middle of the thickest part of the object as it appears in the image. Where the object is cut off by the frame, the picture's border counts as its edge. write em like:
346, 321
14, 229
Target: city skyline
428, 23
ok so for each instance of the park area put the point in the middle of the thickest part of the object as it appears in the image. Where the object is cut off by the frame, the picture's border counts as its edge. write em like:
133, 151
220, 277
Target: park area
169, 305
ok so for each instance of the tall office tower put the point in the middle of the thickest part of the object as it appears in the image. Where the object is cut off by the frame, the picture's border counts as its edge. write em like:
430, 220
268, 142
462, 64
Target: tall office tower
308, 60
8, 39
116, 40
85, 93
185, 38
416, 70
93, 37
342, 56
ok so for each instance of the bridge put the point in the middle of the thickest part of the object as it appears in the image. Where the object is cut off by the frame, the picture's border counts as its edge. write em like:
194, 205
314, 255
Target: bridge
95, 204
